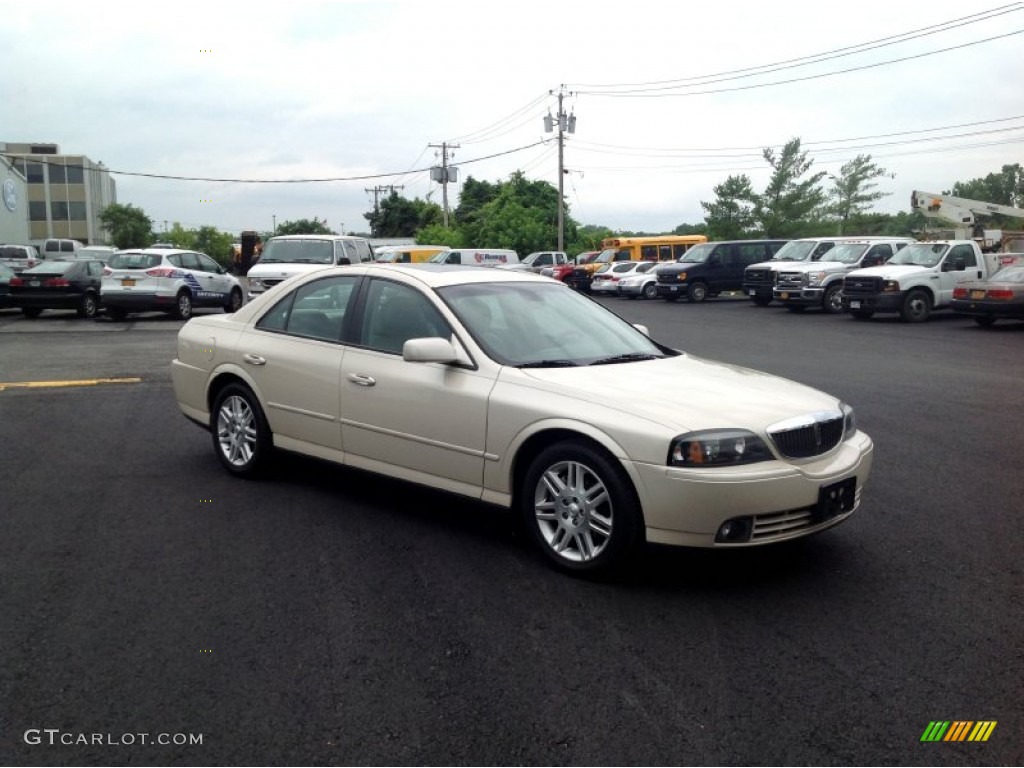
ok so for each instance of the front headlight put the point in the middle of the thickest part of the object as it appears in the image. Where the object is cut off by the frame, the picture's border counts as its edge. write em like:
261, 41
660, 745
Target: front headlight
849, 421
681, 276
890, 286
718, 448
815, 278
255, 282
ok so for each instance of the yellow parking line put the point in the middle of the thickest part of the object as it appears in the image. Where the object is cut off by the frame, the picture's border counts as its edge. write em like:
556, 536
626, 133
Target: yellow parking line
70, 383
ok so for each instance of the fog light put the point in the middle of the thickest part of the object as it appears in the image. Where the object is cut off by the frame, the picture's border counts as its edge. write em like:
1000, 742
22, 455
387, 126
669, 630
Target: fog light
734, 531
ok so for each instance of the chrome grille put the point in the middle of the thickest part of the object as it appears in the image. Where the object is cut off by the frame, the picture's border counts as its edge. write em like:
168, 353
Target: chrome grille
808, 436
790, 280
861, 286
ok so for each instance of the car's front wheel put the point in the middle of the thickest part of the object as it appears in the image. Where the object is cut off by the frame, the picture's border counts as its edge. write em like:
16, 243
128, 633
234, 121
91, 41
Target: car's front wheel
241, 435
580, 508
696, 293
234, 302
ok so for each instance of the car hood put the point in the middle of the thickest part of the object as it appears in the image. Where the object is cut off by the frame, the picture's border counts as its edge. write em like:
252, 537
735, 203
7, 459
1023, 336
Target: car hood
889, 271
682, 393
810, 266
283, 269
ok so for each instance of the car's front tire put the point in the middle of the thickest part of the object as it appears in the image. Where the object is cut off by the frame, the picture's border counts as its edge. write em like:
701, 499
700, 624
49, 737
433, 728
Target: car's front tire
917, 306
580, 508
234, 302
696, 293
241, 435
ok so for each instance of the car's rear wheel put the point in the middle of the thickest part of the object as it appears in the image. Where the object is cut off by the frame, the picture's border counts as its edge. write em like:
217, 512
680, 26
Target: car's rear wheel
580, 508
31, 312
650, 291
183, 306
241, 435
234, 302
89, 306
985, 321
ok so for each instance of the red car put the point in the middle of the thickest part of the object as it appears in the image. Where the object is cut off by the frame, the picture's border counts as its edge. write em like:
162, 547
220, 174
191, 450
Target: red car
562, 271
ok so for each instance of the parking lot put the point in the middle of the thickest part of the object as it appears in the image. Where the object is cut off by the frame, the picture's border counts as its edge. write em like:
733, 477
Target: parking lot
327, 616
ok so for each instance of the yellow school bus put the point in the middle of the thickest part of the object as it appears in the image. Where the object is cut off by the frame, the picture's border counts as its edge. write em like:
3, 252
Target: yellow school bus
654, 248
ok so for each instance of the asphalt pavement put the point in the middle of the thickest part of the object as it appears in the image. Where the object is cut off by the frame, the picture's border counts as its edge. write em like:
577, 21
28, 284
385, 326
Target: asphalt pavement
329, 616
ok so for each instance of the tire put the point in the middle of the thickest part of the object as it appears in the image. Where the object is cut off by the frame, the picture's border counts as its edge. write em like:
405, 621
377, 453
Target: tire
985, 321
89, 307
650, 291
241, 435
832, 301
183, 306
574, 534
234, 302
31, 312
861, 314
696, 293
761, 301
116, 313
916, 308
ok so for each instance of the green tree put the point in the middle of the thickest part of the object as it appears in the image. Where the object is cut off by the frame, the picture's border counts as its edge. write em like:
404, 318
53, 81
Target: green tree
305, 227
180, 237
129, 227
790, 200
400, 217
438, 234
730, 216
1003, 188
854, 190
523, 216
214, 243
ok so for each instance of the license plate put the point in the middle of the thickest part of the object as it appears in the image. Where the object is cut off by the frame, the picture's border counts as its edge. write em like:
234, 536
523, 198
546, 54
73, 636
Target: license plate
836, 499
977, 294
673, 288
34, 283
783, 296
854, 305
127, 282
752, 292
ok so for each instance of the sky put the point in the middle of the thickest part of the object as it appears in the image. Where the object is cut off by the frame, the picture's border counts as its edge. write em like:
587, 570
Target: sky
669, 99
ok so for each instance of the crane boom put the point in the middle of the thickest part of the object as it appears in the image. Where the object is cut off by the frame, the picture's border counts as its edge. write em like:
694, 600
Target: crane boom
962, 212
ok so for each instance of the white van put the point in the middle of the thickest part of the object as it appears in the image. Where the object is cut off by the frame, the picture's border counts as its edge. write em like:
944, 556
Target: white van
287, 255
478, 257
57, 248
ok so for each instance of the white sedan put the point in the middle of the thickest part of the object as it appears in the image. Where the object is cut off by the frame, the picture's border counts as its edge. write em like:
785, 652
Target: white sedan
480, 382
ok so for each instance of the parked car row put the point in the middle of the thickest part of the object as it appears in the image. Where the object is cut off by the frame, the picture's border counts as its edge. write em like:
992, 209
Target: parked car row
153, 279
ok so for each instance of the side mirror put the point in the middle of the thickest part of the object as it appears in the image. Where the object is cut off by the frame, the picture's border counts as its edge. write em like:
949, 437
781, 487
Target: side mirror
433, 349
344, 260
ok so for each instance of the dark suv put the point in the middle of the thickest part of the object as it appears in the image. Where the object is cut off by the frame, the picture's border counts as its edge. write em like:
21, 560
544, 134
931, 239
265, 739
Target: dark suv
709, 269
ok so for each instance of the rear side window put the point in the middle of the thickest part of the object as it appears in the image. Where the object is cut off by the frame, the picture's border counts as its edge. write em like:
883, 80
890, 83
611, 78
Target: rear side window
134, 261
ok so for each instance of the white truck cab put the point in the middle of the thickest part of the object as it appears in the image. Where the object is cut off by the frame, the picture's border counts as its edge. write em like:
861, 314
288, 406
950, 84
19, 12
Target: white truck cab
917, 280
287, 255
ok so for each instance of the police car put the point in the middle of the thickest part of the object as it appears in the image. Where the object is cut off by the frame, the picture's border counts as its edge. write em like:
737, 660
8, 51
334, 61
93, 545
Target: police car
167, 280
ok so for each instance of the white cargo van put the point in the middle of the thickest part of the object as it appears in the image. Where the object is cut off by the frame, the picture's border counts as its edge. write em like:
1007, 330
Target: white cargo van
57, 248
287, 255
479, 257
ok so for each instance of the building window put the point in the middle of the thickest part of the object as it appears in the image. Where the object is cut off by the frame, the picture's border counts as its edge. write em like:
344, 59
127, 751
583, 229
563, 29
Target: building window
44, 149
37, 211
34, 173
75, 174
59, 211
56, 173
77, 211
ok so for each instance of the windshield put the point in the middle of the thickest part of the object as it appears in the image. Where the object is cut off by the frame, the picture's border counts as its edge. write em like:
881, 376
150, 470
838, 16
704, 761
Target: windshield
846, 253
698, 254
794, 250
1014, 274
921, 254
537, 325
298, 252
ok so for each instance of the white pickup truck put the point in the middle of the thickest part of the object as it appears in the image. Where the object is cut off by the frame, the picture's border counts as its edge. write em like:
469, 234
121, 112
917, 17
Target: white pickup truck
918, 279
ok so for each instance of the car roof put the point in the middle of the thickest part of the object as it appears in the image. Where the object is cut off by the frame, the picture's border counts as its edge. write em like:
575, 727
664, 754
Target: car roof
315, 237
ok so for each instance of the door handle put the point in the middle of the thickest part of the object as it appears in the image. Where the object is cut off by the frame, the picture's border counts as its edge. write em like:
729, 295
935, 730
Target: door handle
254, 359
362, 379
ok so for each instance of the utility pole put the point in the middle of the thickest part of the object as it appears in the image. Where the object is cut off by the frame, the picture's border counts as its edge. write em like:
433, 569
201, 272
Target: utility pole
376, 199
443, 174
566, 124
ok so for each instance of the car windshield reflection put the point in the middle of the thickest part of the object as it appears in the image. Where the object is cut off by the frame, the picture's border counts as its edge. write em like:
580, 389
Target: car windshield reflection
524, 325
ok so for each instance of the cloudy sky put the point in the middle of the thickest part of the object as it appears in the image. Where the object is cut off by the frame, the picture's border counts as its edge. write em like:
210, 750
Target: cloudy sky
669, 98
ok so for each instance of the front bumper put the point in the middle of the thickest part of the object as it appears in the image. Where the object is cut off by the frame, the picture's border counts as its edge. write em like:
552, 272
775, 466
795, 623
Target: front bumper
686, 507
875, 302
799, 297
758, 290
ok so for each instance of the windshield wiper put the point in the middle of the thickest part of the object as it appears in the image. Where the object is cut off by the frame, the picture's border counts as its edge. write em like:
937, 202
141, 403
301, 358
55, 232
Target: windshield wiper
549, 364
626, 358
